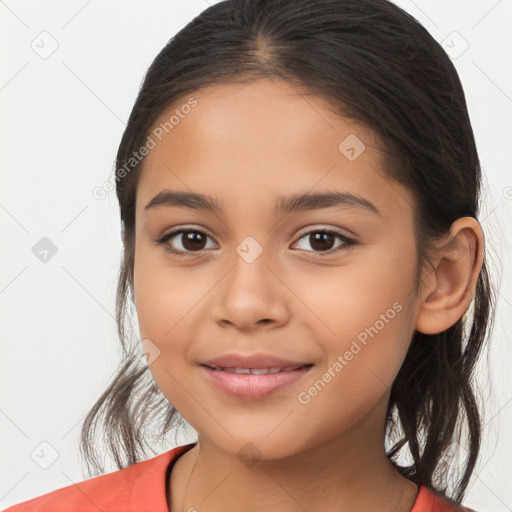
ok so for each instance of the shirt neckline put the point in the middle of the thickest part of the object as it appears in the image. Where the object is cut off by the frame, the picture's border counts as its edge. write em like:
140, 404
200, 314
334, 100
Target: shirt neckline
181, 450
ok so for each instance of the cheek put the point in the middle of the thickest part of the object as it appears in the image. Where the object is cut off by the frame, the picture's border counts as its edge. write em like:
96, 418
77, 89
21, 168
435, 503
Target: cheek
170, 312
351, 297
165, 301
164, 295
364, 313
362, 361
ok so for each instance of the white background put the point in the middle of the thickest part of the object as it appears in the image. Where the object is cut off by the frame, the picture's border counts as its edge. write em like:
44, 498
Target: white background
62, 120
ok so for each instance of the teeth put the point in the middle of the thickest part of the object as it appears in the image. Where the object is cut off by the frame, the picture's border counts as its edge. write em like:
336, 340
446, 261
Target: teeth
237, 370
258, 371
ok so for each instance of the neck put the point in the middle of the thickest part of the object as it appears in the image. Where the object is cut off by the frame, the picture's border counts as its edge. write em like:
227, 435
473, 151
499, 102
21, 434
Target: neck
345, 473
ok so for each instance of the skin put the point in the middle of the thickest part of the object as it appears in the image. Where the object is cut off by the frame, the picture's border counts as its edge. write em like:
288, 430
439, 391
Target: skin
245, 144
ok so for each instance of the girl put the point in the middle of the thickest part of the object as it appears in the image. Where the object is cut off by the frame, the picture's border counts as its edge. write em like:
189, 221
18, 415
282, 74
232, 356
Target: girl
299, 191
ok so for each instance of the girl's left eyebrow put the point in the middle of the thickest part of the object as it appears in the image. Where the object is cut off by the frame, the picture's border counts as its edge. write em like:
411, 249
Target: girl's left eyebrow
293, 203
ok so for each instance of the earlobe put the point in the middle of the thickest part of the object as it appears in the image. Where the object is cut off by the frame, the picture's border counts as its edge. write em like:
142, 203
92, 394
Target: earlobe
449, 288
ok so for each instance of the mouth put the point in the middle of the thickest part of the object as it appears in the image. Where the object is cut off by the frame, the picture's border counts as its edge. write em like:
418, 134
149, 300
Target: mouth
254, 383
257, 371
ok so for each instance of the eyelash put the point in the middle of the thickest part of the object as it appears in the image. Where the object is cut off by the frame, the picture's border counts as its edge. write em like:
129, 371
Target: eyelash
348, 243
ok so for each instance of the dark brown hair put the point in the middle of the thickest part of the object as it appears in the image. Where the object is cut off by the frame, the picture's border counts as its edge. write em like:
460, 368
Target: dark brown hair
375, 64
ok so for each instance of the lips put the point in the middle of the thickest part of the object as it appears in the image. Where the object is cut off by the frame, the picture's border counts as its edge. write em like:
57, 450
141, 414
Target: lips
253, 376
251, 386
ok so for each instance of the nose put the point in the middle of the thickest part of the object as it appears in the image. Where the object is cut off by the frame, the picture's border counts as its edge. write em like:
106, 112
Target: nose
251, 296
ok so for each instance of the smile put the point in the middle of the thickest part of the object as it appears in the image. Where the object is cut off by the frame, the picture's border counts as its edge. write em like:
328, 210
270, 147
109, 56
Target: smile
256, 371
253, 383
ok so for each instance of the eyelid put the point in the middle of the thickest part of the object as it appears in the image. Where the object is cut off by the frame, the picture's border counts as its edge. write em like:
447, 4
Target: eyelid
326, 229
163, 239
348, 242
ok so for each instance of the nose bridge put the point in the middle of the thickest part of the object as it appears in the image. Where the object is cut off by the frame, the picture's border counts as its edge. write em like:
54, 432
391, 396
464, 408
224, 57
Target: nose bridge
249, 264
250, 250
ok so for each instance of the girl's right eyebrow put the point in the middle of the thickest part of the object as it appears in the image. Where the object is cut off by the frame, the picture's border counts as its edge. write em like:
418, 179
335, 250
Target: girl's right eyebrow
294, 203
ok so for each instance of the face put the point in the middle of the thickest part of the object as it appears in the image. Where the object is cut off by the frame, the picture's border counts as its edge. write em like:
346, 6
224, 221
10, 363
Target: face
326, 283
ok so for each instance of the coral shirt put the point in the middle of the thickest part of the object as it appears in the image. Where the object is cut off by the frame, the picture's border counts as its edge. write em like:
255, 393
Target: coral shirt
141, 487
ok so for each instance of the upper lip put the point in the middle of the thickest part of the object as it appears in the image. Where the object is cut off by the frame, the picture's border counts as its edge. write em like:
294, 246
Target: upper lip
233, 360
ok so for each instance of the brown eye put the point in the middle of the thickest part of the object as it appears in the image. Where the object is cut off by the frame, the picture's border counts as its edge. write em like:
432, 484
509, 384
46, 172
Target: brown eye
324, 241
193, 240
184, 241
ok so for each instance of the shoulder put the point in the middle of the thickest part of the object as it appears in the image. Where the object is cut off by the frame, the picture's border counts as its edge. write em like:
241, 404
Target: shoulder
430, 501
138, 487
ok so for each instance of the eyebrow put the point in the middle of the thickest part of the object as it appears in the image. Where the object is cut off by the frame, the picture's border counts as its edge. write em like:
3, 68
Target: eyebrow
293, 203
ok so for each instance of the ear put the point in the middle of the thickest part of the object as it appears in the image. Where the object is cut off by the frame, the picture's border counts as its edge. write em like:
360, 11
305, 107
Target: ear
448, 288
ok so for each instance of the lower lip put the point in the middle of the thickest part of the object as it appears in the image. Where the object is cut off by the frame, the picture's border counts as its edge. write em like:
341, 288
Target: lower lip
253, 387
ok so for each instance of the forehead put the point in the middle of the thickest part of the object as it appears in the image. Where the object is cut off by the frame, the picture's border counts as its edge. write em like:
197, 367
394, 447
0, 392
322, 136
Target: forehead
249, 143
